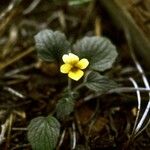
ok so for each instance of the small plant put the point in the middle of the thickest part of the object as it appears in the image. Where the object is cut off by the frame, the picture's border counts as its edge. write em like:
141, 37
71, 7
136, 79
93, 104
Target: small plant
80, 63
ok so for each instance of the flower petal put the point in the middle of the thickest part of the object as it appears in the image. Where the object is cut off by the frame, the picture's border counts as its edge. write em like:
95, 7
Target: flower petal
65, 68
76, 75
82, 64
70, 59
65, 58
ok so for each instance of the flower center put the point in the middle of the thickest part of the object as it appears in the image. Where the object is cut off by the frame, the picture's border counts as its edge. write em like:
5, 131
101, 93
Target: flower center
74, 69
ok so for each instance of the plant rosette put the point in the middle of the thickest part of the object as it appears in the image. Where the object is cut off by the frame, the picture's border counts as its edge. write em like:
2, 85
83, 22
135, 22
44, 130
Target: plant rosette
98, 52
86, 59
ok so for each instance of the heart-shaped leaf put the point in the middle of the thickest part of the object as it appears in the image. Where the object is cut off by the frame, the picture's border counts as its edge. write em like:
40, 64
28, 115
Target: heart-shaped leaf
43, 133
99, 83
51, 45
65, 107
100, 52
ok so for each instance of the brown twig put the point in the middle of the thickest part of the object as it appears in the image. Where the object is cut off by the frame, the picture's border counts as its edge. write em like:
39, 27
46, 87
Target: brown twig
16, 58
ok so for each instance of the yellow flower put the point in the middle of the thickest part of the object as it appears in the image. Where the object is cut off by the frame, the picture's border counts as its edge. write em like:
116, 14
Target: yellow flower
73, 66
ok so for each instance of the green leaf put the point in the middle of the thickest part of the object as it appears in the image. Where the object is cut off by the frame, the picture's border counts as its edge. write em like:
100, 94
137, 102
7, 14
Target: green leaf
100, 52
65, 107
43, 133
99, 83
51, 45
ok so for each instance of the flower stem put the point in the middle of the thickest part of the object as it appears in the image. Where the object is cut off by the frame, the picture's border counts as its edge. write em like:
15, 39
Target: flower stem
78, 87
69, 84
